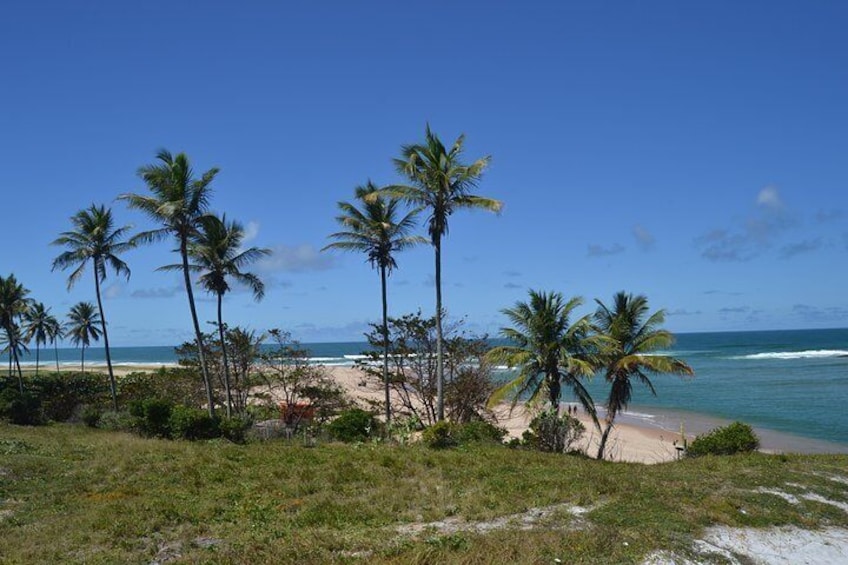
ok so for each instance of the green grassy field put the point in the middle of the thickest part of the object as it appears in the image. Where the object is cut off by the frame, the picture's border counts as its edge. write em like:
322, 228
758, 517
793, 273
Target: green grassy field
71, 494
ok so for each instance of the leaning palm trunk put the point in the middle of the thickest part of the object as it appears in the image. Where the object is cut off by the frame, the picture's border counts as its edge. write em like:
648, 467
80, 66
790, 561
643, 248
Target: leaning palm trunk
386, 345
440, 365
224, 355
113, 389
604, 436
56, 350
198, 337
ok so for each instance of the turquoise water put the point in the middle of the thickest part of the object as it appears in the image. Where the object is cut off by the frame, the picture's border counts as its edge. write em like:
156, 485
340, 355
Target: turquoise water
789, 381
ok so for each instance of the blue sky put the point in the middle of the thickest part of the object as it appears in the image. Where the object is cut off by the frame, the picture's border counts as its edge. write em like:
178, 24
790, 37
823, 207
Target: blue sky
693, 152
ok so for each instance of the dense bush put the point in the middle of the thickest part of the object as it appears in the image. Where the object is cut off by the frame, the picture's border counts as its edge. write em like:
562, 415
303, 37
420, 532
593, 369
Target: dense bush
192, 424
553, 433
235, 429
152, 416
440, 435
735, 438
177, 385
21, 409
478, 432
352, 425
121, 421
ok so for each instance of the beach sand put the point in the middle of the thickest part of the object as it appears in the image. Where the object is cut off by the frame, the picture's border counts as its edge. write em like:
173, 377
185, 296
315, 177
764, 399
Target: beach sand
627, 442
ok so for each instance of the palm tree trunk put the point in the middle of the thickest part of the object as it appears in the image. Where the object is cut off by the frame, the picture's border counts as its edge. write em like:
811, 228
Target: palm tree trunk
112, 386
604, 437
56, 350
440, 366
37, 355
386, 345
82, 360
224, 354
201, 356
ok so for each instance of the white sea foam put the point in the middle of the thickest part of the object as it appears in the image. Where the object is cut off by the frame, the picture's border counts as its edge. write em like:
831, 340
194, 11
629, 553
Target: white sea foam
786, 355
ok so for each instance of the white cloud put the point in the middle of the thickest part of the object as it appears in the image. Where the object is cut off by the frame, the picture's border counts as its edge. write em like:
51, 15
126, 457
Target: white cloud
644, 239
295, 259
251, 230
769, 197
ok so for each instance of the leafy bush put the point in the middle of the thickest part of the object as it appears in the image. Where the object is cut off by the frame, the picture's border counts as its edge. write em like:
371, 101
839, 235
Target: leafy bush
21, 409
152, 416
91, 416
553, 433
192, 424
177, 385
352, 425
735, 438
121, 421
440, 435
61, 394
478, 432
235, 428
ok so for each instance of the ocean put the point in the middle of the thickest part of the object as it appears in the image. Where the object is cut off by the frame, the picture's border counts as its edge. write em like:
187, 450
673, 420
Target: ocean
792, 382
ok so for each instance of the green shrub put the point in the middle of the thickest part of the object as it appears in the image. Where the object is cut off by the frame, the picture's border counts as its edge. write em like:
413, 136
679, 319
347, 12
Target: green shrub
440, 435
192, 424
553, 433
152, 416
352, 425
235, 428
735, 438
121, 421
91, 416
21, 409
478, 432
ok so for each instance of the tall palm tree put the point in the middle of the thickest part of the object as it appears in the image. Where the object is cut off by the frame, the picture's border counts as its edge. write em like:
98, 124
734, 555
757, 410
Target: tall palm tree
36, 328
178, 201
376, 230
14, 302
216, 252
94, 238
55, 331
440, 183
632, 336
82, 327
548, 350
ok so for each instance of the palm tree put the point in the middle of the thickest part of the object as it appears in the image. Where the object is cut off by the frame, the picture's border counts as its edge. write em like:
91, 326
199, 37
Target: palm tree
36, 325
216, 252
13, 304
374, 229
177, 202
82, 327
95, 239
55, 332
548, 350
632, 337
441, 183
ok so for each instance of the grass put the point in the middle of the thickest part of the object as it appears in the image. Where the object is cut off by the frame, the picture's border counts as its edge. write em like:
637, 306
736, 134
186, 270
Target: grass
76, 495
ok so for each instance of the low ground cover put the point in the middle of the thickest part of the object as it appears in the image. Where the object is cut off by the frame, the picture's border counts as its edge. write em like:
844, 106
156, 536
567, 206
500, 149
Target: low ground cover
74, 494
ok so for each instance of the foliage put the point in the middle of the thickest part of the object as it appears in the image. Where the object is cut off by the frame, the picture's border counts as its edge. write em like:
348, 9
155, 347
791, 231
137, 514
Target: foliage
353, 425
176, 385
440, 435
413, 368
23, 409
14, 302
478, 431
553, 433
235, 428
191, 424
631, 336
153, 417
83, 322
56, 397
548, 349
734, 438
121, 421
304, 389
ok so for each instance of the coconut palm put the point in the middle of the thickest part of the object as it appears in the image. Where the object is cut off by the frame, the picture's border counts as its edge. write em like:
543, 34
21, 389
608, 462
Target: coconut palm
632, 338
440, 183
55, 332
82, 327
216, 252
14, 302
548, 350
178, 201
94, 239
36, 328
376, 230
